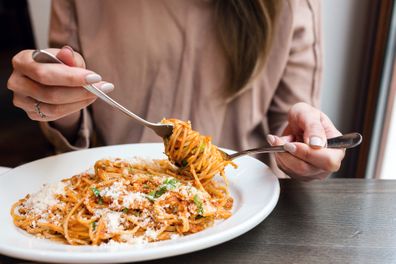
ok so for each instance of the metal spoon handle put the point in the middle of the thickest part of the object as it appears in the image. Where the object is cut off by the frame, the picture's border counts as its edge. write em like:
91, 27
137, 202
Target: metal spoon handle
345, 141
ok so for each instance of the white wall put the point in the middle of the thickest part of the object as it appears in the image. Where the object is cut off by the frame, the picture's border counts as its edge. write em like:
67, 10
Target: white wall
39, 15
388, 170
344, 24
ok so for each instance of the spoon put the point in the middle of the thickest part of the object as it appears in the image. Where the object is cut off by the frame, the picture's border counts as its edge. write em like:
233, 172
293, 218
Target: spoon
346, 141
162, 130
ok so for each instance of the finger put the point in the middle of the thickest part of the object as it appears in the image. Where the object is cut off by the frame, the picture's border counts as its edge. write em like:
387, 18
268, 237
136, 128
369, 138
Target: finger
277, 141
296, 165
288, 138
291, 164
272, 139
55, 112
66, 55
28, 104
51, 73
325, 159
314, 133
331, 130
297, 168
308, 120
52, 94
24, 102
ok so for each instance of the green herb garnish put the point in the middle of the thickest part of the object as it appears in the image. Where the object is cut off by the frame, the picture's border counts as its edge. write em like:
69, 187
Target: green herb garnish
96, 192
167, 185
94, 224
125, 210
198, 203
136, 213
162, 189
184, 163
170, 183
202, 147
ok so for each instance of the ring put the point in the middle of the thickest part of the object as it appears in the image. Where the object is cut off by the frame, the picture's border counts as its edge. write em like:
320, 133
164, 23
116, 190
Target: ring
38, 111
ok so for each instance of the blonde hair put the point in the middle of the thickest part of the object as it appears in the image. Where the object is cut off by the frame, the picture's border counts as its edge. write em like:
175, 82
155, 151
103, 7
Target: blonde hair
246, 31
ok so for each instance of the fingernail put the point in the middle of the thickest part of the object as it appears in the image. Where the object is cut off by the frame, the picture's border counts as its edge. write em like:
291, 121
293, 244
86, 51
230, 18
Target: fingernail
69, 49
271, 139
289, 147
315, 142
106, 87
93, 78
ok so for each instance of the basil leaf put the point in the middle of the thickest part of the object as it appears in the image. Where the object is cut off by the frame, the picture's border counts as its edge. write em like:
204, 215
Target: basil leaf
95, 191
198, 203
167, 185
184, 163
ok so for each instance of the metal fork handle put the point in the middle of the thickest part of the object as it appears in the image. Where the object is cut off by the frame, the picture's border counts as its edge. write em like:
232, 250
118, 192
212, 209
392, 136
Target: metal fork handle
274, 149
342, 142
96, 91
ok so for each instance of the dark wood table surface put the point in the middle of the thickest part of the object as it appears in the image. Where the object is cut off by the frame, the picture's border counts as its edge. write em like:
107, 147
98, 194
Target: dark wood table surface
332, 221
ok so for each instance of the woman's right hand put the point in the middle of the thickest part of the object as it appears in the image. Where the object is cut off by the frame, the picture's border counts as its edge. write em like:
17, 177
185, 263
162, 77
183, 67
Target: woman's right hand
49, 92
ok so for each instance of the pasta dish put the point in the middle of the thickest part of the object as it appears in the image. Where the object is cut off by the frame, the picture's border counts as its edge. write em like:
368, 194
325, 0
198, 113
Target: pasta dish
136, 201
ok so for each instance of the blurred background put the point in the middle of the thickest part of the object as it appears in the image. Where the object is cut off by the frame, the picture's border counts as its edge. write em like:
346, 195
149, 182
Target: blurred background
358, 88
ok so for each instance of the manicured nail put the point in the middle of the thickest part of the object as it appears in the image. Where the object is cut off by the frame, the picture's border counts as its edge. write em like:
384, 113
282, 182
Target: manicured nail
69, 49
93, 78
271, 139
290, 147
106, 87
315, 142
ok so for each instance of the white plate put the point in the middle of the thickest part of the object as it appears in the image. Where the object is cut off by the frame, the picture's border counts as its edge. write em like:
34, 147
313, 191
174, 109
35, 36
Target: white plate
4, 169
253, 186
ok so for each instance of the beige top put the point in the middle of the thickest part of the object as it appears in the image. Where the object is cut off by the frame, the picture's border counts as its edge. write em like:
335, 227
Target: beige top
165, 60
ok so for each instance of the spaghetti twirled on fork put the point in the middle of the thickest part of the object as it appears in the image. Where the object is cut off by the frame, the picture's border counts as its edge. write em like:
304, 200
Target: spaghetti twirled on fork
194, 153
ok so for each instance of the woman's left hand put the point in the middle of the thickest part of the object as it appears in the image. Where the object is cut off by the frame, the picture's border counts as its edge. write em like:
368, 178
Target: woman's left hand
305, 137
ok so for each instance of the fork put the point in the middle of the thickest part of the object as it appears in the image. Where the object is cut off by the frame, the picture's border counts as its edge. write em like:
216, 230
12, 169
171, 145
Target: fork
162, 130
345, 141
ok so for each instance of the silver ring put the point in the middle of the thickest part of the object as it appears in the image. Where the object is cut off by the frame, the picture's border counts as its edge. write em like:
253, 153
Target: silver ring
38, 111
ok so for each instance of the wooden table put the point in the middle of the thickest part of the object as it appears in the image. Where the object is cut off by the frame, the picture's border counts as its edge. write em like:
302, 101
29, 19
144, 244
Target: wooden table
332, 221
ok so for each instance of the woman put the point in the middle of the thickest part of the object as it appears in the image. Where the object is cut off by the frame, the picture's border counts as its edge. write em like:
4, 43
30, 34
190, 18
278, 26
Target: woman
239, 70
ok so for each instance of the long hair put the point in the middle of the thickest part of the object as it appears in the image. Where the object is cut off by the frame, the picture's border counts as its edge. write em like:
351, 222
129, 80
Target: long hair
246, 31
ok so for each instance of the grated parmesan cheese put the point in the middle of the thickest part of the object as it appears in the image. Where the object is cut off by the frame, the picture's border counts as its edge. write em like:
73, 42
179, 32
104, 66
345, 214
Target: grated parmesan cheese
113, 221
151, 233
113, 191
174, 236
40, 201
132, 240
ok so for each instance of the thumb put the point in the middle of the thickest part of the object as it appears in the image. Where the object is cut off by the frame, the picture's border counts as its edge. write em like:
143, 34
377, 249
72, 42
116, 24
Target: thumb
70, 58
314, 133
307, 119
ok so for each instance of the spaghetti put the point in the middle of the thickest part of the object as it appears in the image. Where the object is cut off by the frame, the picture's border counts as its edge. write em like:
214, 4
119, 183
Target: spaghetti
194, 153
133, 202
